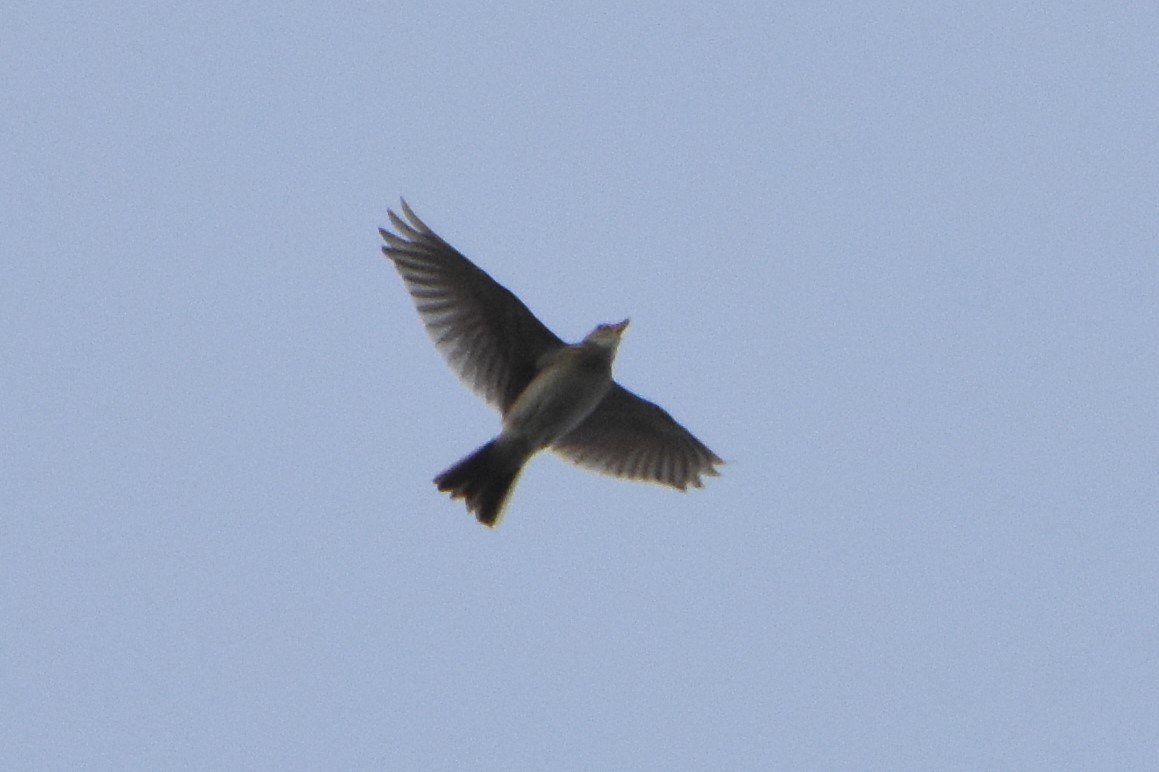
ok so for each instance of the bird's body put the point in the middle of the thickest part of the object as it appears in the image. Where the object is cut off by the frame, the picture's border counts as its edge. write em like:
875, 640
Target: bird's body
571, 381
552, 395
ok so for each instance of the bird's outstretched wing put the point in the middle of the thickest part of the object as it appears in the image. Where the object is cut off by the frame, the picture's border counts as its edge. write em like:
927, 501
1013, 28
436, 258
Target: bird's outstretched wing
627, 436
489, 338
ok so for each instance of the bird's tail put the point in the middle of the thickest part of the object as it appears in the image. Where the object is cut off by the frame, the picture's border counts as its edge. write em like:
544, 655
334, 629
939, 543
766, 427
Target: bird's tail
484, 479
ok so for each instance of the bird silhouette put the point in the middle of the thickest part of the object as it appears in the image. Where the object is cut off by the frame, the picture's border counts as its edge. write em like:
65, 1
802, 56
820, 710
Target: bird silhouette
552, 395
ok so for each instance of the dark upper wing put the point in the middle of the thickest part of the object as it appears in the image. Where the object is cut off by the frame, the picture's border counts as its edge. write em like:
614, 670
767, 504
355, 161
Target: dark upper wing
489, 338
627, 436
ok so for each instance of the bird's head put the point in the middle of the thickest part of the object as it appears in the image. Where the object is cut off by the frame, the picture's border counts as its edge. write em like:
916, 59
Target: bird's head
607, 336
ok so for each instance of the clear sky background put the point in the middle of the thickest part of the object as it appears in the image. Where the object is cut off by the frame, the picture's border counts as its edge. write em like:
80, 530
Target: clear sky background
896, 262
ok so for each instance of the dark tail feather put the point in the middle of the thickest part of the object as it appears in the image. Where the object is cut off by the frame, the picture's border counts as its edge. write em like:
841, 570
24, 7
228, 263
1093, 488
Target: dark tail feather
484, 480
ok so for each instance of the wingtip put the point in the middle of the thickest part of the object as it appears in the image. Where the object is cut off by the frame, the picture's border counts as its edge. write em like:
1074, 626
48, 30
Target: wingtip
409, 223
410, 214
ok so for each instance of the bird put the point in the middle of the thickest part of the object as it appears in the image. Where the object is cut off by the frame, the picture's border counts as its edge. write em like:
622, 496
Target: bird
551, 395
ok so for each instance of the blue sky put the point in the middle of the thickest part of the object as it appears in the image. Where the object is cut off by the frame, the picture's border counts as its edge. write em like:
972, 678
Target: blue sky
895, 262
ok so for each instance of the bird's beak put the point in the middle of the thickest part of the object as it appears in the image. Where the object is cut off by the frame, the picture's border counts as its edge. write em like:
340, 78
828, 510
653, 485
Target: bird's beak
619, 328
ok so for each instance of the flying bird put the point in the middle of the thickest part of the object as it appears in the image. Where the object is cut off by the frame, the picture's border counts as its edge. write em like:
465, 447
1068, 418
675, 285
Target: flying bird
552, 395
